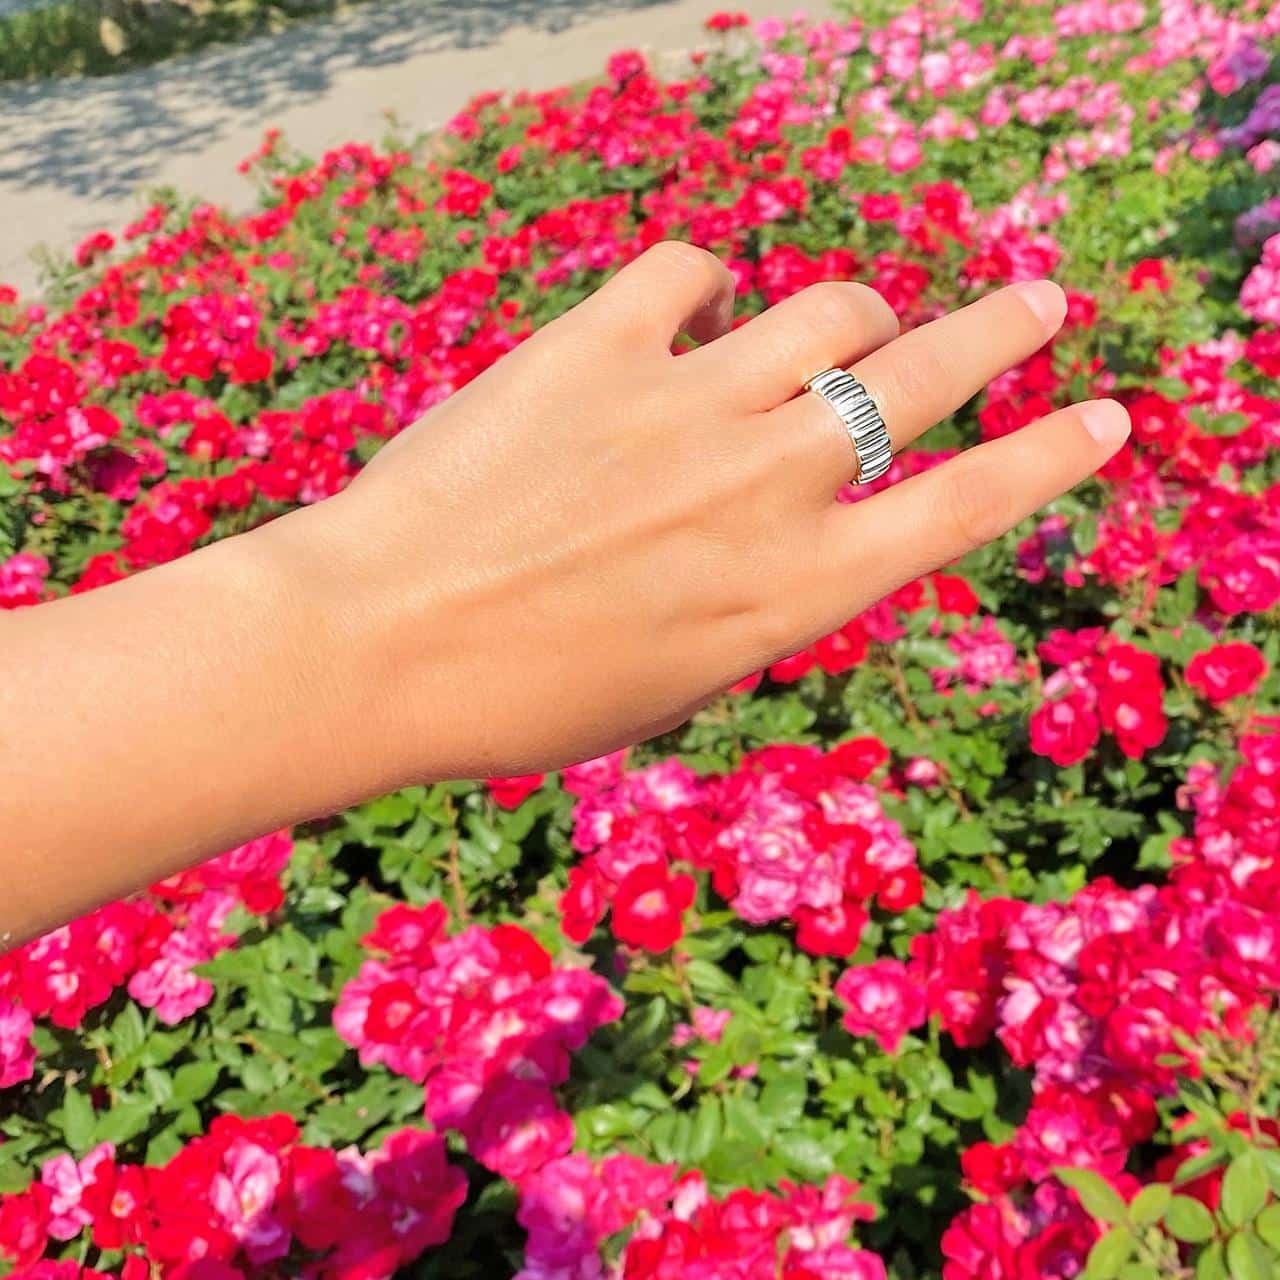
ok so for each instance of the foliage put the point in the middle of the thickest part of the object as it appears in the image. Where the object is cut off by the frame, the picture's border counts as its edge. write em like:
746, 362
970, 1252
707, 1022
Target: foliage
102, 37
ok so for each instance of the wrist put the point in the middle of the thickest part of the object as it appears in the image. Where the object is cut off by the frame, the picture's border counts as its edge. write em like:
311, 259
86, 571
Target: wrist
359, 644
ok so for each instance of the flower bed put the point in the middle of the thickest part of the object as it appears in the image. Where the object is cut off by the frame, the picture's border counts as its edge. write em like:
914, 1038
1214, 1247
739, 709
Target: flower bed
948, 947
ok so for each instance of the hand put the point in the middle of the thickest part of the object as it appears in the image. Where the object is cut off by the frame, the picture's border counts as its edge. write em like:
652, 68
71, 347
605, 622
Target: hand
595, 537
567, 556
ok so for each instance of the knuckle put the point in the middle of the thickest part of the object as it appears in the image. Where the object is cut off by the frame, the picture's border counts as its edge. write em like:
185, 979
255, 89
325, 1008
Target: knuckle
688, 259
920, 373
770, 632
874, 304
976, 511
836, 305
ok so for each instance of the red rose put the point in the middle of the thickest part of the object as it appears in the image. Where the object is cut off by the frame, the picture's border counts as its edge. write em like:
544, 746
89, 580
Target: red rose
1150, 271
1226, 671
649, 906
1082, 309
880, 208
519, 1129
89, 250
583, 903
992, 1169
1130, 698
1263, 349
409, 933
901, 890
833, 932
726, 21
253, 364
793, 668
392, 1010
955, 595
842, 649
511, 793
24, 1224
1065, 729
858, 758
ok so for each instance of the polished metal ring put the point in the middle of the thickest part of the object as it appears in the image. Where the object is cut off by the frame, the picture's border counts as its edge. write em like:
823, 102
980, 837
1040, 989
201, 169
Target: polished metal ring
858, 411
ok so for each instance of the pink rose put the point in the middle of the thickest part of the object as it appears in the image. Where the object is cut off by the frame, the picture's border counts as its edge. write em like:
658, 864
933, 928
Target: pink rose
883, 1001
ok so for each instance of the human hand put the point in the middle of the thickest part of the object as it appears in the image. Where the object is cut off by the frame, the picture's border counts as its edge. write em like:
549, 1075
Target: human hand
595, 537
567, 556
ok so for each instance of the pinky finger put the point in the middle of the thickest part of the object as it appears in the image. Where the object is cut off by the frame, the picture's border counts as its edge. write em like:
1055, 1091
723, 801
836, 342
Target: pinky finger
940, 515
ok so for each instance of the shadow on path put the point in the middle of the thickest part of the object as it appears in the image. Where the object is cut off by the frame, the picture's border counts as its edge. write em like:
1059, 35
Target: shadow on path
107, 136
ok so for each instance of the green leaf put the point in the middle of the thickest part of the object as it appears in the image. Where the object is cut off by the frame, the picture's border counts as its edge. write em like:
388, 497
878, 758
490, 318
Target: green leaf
670, 1135
1154, 855
782, 1099
706, 1130
1212, 1264
1139, 1271
1109, 1254
128, 1031
1244, 1188
970, 837
1246, 1259
1149, 1204
1268, 1226
257, 1075
961, 1104
1188, 1220
1084, 532
78, 1121
1271, 1159
806, 1155
742, 1120
194, 1080
1097, 1195
123, 1121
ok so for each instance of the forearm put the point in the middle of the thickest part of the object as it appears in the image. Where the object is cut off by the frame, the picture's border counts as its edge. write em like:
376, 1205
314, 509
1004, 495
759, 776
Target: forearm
172, 716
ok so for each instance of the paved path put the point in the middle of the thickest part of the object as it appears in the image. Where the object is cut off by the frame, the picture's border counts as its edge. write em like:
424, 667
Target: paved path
79, 155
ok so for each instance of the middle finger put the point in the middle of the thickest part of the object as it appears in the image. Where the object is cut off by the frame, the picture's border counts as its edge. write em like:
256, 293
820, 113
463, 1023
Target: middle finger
926, 375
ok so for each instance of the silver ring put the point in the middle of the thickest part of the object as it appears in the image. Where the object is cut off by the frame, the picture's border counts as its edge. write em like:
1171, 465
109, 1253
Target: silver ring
858, 411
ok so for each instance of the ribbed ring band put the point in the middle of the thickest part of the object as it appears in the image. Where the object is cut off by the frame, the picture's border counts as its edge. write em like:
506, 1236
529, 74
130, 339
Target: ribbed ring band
857, 410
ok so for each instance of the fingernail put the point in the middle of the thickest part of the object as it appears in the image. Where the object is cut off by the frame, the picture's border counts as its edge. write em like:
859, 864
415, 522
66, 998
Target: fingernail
1106, 421
1048, 302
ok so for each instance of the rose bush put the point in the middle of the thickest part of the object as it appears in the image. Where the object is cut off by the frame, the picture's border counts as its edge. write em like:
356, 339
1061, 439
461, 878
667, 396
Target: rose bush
947, 947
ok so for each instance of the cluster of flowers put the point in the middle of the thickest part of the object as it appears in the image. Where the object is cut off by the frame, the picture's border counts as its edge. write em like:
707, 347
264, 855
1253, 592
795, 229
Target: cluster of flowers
1097, 996
246, 1199
1101, 683
149, 944
1179, 502
485, 1021
845, 648
793, 834
678, 1231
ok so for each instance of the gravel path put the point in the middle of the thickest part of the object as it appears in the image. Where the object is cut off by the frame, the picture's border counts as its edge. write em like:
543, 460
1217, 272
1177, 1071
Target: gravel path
78, 155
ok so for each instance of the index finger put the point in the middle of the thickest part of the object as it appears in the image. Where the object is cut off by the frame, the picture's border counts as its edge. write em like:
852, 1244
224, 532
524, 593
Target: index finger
939, 515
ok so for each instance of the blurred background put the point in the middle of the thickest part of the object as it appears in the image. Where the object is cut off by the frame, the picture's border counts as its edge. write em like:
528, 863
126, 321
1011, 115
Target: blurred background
102, 100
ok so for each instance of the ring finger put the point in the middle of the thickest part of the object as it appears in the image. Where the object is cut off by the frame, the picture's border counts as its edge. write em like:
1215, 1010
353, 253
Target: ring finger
926, 375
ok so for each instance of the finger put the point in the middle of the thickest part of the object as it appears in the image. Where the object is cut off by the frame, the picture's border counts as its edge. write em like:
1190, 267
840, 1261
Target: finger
765, 361
671, 288
939, 515
927, 374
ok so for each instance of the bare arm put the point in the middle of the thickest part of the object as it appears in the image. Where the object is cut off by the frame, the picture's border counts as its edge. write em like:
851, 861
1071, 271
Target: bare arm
571, 554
